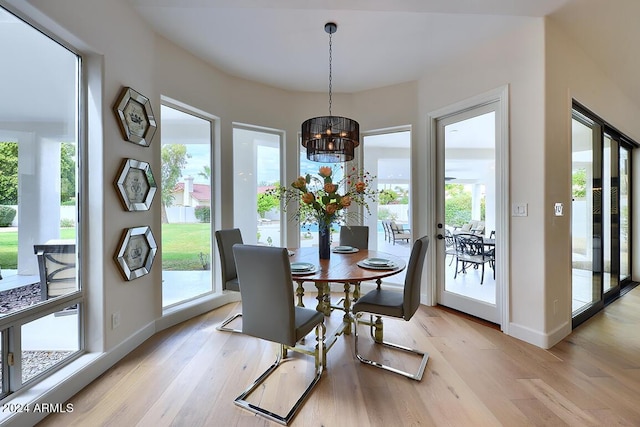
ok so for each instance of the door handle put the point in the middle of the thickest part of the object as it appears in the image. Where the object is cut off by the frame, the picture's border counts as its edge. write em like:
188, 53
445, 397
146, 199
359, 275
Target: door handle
440, 237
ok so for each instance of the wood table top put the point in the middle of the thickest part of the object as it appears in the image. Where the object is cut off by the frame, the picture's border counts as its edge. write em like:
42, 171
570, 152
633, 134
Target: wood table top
343, 267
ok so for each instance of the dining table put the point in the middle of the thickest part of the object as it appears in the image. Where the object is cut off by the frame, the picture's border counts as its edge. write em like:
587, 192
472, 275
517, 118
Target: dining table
347, 265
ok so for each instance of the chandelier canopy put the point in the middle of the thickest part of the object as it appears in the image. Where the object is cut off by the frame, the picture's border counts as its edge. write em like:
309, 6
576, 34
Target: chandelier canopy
330, 139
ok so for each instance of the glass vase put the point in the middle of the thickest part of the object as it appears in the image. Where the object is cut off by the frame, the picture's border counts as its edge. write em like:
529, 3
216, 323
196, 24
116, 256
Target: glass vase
324, 240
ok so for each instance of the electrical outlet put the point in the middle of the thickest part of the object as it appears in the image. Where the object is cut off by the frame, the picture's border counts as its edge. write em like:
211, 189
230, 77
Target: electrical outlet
115, 320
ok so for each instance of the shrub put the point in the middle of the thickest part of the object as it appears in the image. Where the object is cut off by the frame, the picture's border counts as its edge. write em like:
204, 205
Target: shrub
67, 222
7, 214
203, 213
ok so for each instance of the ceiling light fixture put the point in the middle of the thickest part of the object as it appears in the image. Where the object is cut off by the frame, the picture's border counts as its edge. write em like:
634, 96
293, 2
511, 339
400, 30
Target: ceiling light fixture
330, 139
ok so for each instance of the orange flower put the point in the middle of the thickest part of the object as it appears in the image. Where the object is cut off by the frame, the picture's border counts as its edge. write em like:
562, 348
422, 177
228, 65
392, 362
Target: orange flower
360, 186
299, 183
332, 208
308, 198
329, 187
345, 201
325, 171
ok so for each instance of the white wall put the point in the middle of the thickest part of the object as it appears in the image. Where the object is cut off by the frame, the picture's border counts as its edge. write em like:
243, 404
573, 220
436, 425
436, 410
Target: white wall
539, 258
572, 74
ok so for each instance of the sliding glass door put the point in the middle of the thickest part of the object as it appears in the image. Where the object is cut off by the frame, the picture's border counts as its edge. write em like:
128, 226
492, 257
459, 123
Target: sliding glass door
600, 215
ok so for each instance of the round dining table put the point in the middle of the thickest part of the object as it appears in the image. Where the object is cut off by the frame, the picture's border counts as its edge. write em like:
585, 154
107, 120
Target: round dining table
348, 268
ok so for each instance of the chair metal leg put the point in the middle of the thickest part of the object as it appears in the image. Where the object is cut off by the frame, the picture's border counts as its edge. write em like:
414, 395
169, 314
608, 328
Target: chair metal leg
377, 325
319, 355
223, 326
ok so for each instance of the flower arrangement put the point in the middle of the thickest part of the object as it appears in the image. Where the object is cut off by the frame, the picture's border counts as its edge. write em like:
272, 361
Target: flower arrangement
323, 201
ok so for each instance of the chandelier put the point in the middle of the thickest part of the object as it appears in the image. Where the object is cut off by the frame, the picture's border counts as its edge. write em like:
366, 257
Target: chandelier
330, 139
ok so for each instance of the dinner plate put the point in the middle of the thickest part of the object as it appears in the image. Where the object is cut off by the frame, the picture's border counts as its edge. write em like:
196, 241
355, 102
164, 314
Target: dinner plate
301, 267
378, 262
345, 250
389, 266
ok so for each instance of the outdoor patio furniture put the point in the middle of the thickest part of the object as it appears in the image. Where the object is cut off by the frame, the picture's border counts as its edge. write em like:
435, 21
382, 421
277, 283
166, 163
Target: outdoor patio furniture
470, 250
57, 267
398, 233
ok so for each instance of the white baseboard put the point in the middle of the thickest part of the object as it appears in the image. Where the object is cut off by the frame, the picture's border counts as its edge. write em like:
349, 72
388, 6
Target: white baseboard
68, 381
537, 338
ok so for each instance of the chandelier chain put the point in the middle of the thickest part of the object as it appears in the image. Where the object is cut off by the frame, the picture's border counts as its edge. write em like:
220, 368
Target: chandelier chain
330, 73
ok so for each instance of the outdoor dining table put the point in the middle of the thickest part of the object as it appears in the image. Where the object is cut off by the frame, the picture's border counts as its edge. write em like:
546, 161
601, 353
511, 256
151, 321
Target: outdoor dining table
346, 268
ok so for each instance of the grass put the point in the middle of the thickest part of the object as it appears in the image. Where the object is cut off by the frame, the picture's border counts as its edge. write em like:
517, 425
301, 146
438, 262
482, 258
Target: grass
181, 246
9, 246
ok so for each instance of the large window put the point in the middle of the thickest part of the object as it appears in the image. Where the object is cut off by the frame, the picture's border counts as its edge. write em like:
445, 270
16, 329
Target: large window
256, 169
41, 297
186, 205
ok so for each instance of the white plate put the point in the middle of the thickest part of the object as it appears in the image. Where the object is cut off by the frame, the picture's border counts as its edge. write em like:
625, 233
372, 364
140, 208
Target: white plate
301, 266
351, 250
378, 262
389, 266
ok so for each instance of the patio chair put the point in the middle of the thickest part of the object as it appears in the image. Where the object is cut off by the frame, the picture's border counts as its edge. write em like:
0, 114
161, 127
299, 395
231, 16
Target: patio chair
225, 240
57, 268
386, 227
269, 314
450, 245
399, 233
388, 303
470, 250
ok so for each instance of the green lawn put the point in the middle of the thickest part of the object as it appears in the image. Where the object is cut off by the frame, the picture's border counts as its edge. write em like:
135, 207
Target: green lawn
9, 246
181, 246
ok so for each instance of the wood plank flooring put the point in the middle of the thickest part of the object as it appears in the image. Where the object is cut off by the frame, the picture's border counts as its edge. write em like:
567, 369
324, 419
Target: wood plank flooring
189, 375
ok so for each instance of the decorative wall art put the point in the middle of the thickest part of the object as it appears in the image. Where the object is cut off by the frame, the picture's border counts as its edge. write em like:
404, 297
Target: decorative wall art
135, 117
136, 185
137, 251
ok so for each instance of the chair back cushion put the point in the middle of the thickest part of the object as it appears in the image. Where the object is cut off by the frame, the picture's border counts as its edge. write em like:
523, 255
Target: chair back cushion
225, 240
355, 235
266, 288
413, 279
57, 265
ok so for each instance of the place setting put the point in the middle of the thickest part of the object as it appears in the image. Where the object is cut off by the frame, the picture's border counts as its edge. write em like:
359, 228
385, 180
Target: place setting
345, 250
377, 264
302, 268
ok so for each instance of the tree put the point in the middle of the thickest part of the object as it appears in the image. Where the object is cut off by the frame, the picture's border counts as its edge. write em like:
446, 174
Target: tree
205, 173
8, 173
458, 205
67, 172
266, 202
387, 196
174, 158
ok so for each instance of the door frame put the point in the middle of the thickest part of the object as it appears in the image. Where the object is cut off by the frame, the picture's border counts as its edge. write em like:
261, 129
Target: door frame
501, 96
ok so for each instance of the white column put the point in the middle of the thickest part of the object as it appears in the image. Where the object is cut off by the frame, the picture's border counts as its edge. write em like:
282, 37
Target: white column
38, 197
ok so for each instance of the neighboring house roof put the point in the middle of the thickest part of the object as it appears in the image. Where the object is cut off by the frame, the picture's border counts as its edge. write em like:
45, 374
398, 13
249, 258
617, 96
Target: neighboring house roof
264, 188
201, 192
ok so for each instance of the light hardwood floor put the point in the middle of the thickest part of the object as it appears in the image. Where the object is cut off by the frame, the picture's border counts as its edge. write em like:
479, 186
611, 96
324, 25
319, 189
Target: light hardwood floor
189, 375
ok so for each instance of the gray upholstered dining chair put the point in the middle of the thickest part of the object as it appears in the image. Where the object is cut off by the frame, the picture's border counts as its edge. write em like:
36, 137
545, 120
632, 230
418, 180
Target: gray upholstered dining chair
382, 302
225, 240
355, 235
269, 313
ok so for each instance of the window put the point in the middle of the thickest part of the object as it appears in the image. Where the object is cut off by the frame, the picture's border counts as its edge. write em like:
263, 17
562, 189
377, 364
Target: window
40, 289
256, 169
186, 205
388, 156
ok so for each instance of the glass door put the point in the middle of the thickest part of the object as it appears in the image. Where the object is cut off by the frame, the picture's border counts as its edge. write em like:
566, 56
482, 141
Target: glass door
600, 216
466, 144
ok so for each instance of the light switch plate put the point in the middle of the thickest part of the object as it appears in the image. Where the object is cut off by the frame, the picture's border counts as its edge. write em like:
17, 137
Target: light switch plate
558, 209
519, 209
